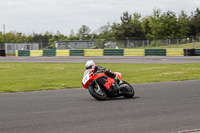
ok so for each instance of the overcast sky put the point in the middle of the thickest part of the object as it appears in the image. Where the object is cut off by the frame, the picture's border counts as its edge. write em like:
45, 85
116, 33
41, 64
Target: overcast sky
28, 16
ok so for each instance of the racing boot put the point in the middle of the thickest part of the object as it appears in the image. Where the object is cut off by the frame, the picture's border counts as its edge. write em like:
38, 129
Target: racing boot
118, 80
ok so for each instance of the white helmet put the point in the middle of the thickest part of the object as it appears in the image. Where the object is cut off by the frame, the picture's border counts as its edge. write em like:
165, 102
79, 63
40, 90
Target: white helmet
89, 64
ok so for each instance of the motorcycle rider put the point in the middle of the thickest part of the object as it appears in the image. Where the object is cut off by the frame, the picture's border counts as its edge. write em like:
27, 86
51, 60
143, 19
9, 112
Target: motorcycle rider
90, 64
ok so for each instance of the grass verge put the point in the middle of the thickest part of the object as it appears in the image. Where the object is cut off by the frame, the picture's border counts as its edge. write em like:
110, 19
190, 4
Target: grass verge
18, 77
184, 46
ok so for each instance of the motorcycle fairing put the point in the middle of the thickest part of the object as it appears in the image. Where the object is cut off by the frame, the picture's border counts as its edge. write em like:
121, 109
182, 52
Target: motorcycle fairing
110, 85
119, 75
92, 77
105, 81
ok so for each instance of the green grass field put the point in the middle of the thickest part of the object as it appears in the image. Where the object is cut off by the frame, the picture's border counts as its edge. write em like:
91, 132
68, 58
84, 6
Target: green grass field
17, 77
184, 46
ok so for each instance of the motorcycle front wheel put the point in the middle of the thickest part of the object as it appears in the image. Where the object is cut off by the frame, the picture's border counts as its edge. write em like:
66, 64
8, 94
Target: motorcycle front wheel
127, 89
97, 92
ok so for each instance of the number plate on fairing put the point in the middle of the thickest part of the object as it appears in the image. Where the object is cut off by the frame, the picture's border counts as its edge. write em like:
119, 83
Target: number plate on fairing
86, 78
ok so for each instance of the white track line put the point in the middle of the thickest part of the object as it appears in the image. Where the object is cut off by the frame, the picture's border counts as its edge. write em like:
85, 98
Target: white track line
188, 131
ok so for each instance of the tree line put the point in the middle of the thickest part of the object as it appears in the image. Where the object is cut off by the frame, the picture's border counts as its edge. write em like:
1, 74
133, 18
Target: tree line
159, 25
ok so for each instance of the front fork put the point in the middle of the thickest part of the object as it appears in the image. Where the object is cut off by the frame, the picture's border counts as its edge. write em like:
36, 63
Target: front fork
99, 89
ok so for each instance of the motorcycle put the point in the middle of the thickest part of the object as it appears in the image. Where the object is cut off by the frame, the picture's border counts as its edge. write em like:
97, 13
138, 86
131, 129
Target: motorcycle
102, 87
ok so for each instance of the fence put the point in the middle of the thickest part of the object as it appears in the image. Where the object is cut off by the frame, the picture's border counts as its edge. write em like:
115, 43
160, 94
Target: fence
187, 42
128, 43
2, 46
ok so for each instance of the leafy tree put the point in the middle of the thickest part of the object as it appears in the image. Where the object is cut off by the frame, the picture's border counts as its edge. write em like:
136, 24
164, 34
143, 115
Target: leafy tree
121, 31
146, 29
163, 25
19, 37
29, 38
37, 37
106, 32
130, 26
136, 18
103, 34
52, 39
195, 22
126, 18
83, 33
137, 26
183, 24
62, 37
155, 24
1, 37
169, 24
9, 37
72, 36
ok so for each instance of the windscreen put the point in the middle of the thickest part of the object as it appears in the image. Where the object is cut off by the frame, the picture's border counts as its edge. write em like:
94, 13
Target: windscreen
86, 72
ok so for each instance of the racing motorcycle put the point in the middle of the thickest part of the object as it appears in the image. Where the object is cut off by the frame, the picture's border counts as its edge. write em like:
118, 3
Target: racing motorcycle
102, 87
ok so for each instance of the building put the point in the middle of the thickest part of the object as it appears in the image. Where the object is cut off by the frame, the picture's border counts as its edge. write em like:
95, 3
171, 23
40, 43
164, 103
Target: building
75, 44
12, 47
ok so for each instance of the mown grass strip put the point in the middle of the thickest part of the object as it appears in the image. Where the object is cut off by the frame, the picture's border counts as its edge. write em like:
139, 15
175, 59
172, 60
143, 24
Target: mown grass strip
17, 77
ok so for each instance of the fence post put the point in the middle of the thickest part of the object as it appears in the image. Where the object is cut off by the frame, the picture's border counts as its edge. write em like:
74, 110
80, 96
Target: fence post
169, 41
4, 36
147, 42
41, 44
127, 42
192, 41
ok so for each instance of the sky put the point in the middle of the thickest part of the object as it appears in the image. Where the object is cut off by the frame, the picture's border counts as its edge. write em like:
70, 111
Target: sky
39, 16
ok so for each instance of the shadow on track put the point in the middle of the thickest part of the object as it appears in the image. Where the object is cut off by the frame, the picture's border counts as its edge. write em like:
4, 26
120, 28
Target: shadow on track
115, 98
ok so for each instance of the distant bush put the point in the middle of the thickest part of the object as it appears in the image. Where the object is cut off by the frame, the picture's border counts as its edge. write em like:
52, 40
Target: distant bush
183, 41
158, 43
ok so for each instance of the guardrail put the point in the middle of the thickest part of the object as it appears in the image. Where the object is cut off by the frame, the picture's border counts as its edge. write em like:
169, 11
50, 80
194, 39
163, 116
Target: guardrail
49, 52
93, 52
197, 52
155, 52
175, 52
134, 52
23, 52
77, 52
36, 52
111, 52
2, 53
62, 53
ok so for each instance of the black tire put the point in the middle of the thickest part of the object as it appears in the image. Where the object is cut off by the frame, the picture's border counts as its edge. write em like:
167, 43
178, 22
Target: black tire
97, 96
128, 91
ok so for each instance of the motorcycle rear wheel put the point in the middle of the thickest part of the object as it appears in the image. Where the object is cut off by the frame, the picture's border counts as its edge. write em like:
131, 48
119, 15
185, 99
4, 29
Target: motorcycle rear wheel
128, 91
99, 95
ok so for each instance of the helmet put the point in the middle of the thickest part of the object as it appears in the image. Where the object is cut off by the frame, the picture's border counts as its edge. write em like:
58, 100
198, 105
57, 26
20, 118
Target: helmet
89, 64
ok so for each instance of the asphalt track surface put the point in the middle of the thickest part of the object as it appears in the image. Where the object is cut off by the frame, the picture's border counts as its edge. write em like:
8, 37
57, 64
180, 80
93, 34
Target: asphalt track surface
168, 107
106, 59
156, 108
